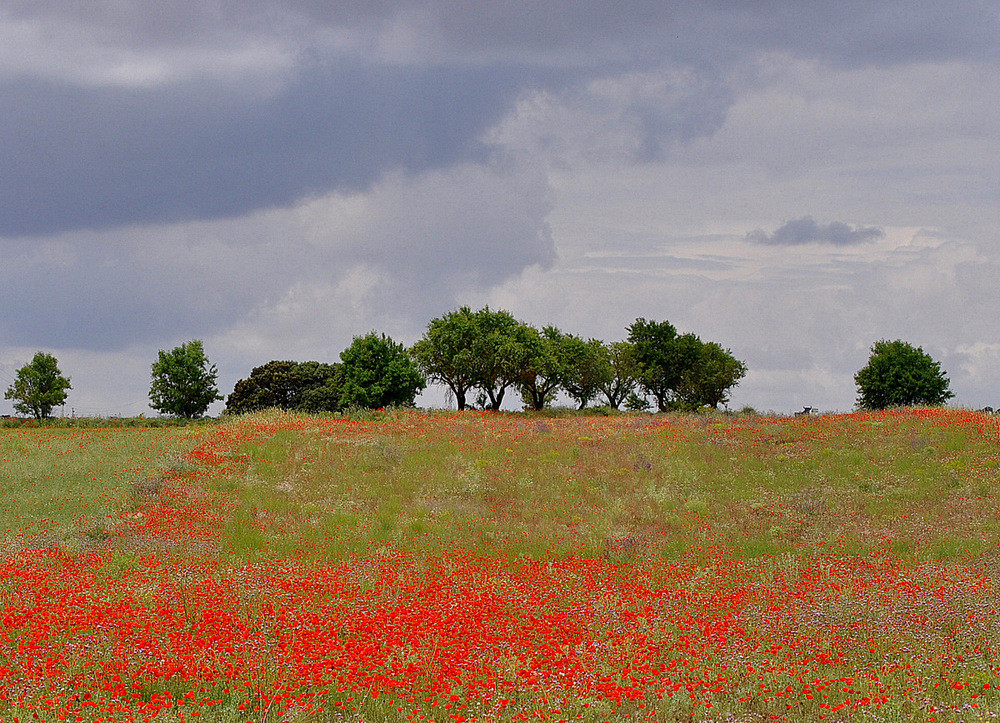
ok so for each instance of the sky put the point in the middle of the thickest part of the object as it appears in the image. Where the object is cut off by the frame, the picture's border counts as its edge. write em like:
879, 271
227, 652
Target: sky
794, 181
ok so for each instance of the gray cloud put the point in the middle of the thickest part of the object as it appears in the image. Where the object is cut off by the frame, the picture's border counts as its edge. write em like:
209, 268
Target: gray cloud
577, 31
372, 88
805, 230
86, 158
420, 240
278, 175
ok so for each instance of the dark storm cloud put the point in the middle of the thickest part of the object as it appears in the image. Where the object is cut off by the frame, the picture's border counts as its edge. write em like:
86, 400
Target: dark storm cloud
77, 155
805, 230
892, 27
86, 158
705, 32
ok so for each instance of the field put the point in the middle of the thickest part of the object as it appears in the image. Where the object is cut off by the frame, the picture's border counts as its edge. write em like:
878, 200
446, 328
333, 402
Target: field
500, 567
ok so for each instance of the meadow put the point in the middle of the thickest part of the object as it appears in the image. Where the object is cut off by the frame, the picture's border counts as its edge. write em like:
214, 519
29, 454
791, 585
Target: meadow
449, 566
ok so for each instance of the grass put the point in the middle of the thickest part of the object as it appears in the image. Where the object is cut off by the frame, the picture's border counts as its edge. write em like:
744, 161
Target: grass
622, 486
398, 565
70, 481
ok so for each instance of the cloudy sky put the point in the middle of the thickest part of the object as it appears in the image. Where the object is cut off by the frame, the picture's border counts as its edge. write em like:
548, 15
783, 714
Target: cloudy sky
792, 180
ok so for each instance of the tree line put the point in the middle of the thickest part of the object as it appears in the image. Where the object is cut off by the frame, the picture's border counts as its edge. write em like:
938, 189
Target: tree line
480, 356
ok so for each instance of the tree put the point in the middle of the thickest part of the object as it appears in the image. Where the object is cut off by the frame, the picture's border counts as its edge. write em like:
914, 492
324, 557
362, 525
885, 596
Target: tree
621, 373
378, 372
544, 368
899, 375
661, 357
38, 387
183, 381
586, 368
293, 386
500, 355
446, 353
319, 387
706, 383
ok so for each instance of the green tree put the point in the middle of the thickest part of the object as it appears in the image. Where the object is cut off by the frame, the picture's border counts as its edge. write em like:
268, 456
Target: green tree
183, 381
900, 375
293, 386
621, 373
636, 403
378, 372
544, 365
712, 373
500, 355
446, 354
662, 358
586, 368
319, 387
38, 387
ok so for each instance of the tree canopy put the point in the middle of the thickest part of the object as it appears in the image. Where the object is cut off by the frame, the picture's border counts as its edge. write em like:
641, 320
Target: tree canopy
292, 386
681, 371
900, 375
377, 372
585, 368
446, 354
183, 381
620, 373
545, 365
38, 387
659, 359
501, 353
490, 351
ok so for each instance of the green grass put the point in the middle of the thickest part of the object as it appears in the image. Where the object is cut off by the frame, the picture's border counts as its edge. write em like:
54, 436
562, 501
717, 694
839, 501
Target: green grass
68, 481
766, 495
621, 487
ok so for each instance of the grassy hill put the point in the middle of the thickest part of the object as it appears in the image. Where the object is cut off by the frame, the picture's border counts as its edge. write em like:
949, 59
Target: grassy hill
503, 567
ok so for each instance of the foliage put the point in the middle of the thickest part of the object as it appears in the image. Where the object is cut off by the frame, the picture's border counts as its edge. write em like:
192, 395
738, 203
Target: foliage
183, 381
585, 368
636, 403
706, 383
292, 386
620, 373
501, 355
491, 351
38, 387
682, 372
545, 365
900, 375
446, 354
377, 372
661, 359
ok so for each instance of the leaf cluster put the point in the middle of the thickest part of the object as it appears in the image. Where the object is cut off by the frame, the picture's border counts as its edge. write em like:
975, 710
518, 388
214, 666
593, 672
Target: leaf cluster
378, 372
293, 386
374, 372
680, 371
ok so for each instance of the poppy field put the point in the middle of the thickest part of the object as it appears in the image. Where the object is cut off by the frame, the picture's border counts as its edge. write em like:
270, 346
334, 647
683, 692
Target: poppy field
443, 566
